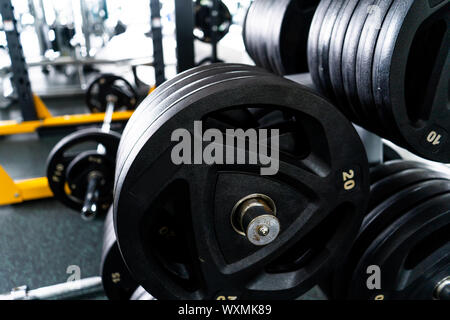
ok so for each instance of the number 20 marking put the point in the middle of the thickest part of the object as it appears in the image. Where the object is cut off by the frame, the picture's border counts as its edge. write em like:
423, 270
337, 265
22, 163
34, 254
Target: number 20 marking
348, 178
226, 298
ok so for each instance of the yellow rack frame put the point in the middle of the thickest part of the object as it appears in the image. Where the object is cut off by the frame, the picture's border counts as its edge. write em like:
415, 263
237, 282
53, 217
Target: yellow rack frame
46, 120
13, 192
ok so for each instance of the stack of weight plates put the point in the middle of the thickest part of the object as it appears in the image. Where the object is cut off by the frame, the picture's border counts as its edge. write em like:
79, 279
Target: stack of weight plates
386, 64
403, 247
173, 220
276, 34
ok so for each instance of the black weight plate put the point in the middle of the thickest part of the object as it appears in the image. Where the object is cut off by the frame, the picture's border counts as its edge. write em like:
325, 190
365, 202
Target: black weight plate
389, 168
106, 85
406, 199
349, 53
141, 294
65, 152
249, 32
273, 21
397, 181
184, 79
324, 45
224, 94
382, 189
379, 219
238, 74
403, 249
261, 34
383, 216
410, 75
152, 110
364, 60
388, 123
273, 24
313, 42
203, 21
292, 40
335, 57
79, 170
424, 286
117, 281
269, 40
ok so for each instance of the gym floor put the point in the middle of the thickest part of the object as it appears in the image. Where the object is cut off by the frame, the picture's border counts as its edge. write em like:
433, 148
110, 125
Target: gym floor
39, 240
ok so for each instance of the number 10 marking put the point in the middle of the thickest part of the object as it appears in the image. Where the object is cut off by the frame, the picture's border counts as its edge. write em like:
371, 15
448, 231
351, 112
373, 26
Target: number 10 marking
434, 138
